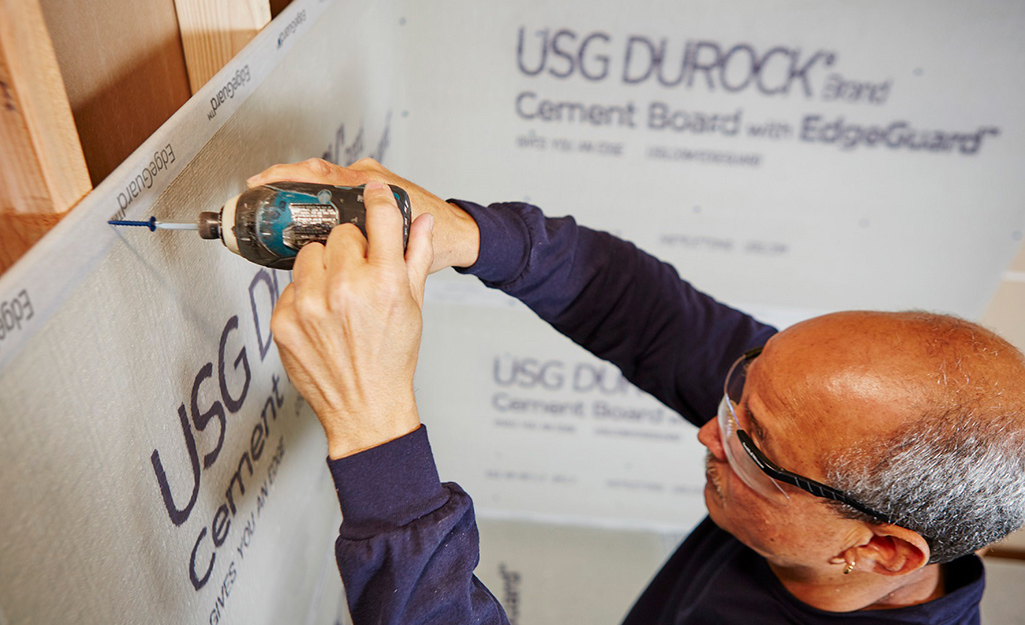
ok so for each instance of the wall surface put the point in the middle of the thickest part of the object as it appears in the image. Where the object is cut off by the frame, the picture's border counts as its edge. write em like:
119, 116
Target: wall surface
808, 159
790, 162
156, 465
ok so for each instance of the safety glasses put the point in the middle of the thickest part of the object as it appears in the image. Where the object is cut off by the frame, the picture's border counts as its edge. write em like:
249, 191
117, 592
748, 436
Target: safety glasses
754, 468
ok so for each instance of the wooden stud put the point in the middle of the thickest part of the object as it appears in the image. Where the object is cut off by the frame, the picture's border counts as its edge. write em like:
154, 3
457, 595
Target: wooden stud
213, 32
42, 170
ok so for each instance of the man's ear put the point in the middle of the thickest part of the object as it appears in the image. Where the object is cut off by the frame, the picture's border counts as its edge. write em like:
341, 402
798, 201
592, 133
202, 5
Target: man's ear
892, 550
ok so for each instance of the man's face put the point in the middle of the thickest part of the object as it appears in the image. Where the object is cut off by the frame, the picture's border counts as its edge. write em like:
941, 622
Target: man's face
815, 389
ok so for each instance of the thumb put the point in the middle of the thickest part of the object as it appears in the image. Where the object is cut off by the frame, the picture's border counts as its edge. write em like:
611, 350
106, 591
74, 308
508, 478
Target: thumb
420, 254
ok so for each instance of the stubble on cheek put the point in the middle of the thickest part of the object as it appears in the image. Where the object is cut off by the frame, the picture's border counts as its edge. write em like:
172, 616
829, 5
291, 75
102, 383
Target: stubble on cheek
713, 475
715, 494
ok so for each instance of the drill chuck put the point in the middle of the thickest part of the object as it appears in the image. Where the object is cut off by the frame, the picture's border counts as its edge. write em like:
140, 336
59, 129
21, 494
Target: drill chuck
209, 225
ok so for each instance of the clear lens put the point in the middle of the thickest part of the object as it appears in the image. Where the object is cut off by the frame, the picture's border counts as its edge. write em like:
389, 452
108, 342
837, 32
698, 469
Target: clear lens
739, 459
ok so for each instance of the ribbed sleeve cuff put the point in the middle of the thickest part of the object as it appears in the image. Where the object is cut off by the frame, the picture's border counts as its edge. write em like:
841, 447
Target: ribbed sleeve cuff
387, 487
504, 241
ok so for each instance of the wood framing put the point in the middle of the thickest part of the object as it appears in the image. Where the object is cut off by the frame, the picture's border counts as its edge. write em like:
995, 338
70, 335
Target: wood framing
122, 88
42, 169
213, 32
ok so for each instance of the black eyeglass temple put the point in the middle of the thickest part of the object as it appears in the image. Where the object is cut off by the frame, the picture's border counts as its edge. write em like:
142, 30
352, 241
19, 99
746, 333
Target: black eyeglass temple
815, 488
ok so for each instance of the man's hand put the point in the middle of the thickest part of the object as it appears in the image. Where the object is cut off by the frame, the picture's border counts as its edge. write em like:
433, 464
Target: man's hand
456, 237
348, 326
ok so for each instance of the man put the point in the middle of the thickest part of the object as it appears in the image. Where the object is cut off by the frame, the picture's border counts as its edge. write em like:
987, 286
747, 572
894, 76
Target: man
855, 461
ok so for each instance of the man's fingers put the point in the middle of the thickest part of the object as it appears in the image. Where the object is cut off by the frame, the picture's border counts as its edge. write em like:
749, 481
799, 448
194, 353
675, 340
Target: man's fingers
384, 222
370, 166
319, 170
346, 248
311, 170
308, 272
420, 254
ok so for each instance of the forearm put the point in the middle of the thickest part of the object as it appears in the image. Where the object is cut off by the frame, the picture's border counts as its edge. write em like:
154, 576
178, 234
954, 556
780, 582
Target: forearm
618, 302
408, 544
348, 332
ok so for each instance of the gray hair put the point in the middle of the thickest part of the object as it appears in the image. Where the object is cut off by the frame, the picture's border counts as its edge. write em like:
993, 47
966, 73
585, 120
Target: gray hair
957, 475
957, 480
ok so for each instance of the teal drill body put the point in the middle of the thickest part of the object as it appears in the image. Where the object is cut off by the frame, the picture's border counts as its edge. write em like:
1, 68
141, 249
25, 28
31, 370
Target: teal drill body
269, 224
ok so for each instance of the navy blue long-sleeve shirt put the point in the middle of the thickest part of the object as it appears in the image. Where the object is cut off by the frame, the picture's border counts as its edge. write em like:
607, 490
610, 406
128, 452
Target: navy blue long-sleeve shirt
408, 544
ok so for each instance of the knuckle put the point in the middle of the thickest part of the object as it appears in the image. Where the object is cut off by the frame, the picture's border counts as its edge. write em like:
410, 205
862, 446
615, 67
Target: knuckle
368, 164
282, 326
318, 166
